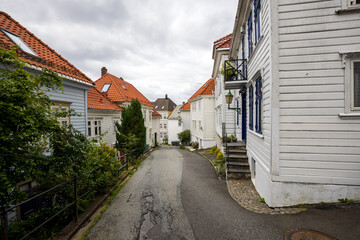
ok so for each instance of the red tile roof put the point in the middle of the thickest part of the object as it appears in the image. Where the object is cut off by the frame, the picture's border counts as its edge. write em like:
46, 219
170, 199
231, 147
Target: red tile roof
96, 100
207, 89
155, 113
223, 42
186, 106
120, 90
47, 57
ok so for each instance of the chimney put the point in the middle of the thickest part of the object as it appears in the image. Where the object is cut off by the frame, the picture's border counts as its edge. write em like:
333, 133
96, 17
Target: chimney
103, 71
166, 96
183, 103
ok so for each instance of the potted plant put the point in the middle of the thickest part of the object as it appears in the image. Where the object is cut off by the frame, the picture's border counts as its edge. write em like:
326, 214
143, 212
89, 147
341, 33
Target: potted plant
233, 138
229, 72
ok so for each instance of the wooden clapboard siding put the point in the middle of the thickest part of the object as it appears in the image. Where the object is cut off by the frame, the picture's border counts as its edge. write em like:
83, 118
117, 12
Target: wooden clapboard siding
259, 147
315, 143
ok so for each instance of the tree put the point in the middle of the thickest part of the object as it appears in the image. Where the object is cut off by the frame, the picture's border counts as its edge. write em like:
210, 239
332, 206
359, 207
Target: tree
131, 133
26, 120
184, 137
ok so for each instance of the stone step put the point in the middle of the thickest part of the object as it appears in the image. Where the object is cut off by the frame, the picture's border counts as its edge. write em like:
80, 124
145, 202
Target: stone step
237, 170
237, 151
242, 164
238, 156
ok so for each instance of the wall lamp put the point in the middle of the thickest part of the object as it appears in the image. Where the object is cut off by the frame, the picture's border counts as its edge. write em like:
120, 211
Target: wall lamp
229, 98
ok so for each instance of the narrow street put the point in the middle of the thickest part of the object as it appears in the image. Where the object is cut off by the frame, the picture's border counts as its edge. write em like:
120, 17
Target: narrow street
175, 194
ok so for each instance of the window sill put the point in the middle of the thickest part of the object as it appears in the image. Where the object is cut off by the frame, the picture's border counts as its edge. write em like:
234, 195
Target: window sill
349, 115
347, 10
257, 134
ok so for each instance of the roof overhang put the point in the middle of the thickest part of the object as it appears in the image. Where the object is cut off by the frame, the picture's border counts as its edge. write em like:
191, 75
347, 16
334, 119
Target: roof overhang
241, 13
217, 60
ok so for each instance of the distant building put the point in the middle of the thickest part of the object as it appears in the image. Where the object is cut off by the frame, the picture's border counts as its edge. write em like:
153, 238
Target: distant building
174, 124
164, 106
155, 127
122, 92
102, 116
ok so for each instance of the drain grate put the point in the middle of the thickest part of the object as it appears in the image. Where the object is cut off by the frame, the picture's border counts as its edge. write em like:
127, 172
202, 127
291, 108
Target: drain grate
307, 234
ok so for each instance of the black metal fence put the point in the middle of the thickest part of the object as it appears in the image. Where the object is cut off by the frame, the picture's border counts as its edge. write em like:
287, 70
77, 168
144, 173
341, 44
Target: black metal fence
125, 159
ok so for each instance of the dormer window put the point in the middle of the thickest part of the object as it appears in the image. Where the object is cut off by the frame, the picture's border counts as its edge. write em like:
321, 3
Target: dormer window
19, 42
106, 87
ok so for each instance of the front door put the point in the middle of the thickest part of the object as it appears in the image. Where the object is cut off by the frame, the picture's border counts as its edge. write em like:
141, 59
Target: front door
243, 115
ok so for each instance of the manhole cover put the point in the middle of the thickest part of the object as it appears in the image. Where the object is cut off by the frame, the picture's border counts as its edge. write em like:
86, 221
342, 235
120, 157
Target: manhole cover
306, 234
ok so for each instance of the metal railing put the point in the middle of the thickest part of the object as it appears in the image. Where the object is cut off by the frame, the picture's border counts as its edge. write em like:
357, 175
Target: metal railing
235, 70
75, 202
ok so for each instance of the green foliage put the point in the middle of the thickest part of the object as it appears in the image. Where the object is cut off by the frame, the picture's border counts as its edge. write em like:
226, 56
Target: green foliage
233, 138
131, 133
262, 200
345, 200
214, 150
226, 139
182, 146
220, 156
184, 137
165, 140
26, 120
195, 145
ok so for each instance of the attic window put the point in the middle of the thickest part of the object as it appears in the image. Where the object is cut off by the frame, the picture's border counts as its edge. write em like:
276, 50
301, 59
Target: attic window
19, 42
106, 87
156, 107
162, 107
123, 86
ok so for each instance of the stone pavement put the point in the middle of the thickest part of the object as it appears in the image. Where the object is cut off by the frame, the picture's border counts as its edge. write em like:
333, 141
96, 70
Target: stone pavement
244, 193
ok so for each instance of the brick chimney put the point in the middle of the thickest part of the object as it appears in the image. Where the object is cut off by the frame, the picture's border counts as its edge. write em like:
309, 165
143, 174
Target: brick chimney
103, 71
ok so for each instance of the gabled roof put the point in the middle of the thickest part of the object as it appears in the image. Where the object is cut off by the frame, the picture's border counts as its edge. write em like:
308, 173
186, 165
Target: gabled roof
155, 113
120, 90
175, 114
185, 107
223, 42
164, 104
207, 89
96, 100
47, 57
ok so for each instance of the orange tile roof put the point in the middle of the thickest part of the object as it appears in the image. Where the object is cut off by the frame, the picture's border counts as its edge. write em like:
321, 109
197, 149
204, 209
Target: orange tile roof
186, 106
96, 100
155, 113
47, 57
120, 90
223, 42
207, 89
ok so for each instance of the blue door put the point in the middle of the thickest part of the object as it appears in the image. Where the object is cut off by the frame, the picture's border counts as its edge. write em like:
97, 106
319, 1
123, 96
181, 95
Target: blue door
243, 114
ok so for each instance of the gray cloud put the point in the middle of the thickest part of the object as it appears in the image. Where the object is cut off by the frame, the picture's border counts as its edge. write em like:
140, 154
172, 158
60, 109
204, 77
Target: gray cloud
160, 46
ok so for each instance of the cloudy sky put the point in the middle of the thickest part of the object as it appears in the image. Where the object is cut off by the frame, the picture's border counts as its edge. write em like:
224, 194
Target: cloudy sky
160, 46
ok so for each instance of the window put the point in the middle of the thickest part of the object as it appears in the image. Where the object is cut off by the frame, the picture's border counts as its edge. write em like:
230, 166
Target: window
200, 127
257, 6
106, 87
164, 117
354, 3
355, 85
165, 126
94, 127
160, 125
251, 107
250, 46
62, 108
194, 124
161, 135
116, 120
258, 106
19, 42
179, 123
199, 103
243, 54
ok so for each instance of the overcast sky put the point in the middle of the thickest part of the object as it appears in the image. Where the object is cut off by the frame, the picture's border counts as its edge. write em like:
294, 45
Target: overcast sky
160, 46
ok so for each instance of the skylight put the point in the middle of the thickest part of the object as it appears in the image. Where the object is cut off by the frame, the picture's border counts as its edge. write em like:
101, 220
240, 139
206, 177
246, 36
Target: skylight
162, 107
106, 87
156, 107
19, 42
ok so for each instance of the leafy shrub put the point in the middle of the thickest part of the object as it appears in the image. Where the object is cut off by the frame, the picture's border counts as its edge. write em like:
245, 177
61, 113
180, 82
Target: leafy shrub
184, 137
182, 146
226, 139
213, 150
220, 156
195, 145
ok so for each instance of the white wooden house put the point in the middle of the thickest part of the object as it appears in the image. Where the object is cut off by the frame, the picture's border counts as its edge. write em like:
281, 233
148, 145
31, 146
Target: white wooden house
164, 106
202, 115
175, 124
298, 65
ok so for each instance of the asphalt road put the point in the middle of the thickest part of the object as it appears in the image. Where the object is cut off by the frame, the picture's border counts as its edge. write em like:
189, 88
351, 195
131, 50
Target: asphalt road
176, 194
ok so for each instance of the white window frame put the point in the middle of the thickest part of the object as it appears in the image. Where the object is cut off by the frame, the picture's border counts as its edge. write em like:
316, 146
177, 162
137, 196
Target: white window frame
352, 3
352, 87
95, 125
65, 107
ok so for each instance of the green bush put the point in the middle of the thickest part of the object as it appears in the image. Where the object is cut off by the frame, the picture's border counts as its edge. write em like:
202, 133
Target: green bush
182, 146
214, 150
184, 137
220, 156
195, 145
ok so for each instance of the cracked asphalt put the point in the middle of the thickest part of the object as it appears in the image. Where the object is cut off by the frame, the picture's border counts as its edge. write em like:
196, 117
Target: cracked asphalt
176, 194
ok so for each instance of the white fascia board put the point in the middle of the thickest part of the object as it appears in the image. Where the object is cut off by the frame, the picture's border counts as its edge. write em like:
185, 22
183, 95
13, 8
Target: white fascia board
242, 10
217, 60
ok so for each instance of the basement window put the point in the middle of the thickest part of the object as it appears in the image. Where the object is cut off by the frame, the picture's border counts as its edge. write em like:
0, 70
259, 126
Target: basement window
106, 87
19, 42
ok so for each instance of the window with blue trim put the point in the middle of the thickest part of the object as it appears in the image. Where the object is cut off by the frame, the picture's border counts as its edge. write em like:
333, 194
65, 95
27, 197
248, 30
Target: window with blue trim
251, 107
257, 6
243, 53
258, 105
250, 46
237, 113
